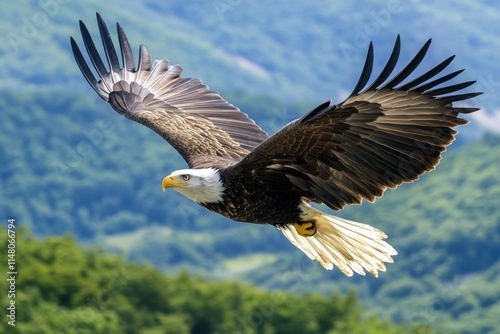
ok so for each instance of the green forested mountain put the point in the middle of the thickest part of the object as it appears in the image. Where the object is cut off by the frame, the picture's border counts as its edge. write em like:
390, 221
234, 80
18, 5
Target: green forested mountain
80, 171
308, 51
70, 165
61, 288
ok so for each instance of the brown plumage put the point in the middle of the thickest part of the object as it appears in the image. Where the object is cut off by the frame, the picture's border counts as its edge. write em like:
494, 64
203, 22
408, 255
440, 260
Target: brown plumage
382, 135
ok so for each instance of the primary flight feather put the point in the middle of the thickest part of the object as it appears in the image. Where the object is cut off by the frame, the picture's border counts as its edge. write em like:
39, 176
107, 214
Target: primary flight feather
385, 133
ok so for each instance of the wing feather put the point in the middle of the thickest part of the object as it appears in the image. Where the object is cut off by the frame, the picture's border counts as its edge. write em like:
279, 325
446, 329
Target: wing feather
376, 139
388, 68
195, 120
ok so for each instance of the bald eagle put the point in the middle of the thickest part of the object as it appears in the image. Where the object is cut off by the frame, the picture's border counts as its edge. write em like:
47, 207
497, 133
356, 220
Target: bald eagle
385, 133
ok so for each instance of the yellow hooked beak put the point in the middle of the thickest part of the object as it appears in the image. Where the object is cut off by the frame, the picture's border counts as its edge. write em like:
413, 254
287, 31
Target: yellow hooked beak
171, 182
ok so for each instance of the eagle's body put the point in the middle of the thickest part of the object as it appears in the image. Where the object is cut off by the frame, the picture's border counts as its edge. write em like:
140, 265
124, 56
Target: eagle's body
245, 199
382, 135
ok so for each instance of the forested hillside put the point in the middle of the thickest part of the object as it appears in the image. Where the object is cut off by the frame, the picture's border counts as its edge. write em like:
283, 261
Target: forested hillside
64, 289
70, 165
306, 52
80, 171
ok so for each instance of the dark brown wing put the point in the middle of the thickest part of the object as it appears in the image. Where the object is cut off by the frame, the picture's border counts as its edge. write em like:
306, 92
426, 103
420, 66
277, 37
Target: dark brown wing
204, 128
377, 139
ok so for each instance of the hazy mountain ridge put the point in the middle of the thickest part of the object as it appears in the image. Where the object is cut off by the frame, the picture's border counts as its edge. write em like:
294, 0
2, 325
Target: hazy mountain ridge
311, 50
307, 52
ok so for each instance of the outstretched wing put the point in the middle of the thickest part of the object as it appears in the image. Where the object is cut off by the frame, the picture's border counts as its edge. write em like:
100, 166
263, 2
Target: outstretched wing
204, 128
376, 139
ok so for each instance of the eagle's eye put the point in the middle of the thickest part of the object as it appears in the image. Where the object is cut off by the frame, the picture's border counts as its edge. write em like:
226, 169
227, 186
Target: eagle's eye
186, 177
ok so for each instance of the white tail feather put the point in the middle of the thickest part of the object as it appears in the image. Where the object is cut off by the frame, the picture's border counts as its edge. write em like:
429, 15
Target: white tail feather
350, 246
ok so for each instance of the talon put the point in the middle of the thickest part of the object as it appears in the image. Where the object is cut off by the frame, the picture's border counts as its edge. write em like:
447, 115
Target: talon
305, 229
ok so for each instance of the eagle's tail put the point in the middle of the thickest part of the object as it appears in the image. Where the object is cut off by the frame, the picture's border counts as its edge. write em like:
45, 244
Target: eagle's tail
348, 245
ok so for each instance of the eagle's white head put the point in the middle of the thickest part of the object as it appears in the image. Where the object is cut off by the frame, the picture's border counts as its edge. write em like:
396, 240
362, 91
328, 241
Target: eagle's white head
201, 185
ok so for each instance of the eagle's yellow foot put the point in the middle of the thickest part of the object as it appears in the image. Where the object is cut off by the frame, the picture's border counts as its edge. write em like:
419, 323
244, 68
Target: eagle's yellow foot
305, 229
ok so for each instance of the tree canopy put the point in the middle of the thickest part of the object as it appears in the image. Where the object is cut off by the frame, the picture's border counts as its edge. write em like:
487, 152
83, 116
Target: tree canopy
62, 288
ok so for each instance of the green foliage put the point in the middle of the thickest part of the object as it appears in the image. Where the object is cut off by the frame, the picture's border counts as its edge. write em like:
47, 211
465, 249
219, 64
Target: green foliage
61, 288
